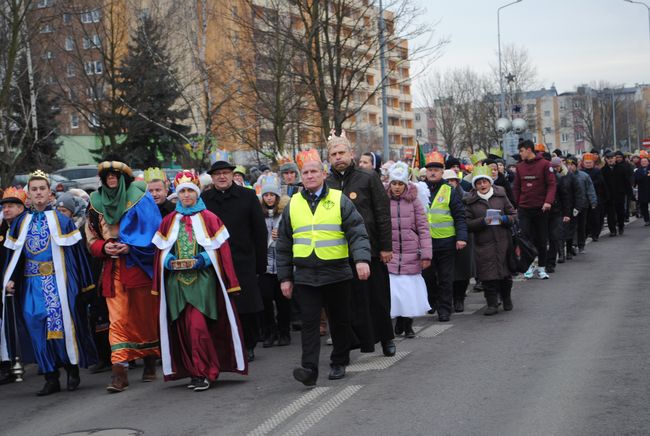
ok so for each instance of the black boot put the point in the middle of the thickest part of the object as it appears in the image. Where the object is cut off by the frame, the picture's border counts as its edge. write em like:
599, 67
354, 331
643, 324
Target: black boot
399, 325
51, 384
492, 302
506, 292
561, 257
73, 377
459, 305
408, 328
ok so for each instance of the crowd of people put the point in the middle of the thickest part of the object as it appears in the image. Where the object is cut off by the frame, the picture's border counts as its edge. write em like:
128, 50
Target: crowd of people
194, 274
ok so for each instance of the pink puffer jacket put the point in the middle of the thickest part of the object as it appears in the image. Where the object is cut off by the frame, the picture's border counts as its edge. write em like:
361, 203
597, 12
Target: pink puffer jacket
411, 238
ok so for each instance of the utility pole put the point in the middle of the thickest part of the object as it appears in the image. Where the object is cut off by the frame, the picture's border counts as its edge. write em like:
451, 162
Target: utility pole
384, 100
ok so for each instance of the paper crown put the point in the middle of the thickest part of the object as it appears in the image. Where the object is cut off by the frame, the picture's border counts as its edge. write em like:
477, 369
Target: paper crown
283, 159
334, 140
590, 156
11, 195
481, 172
240, 169
187, 179
478, 157
496, 151
434, 159
115, 166
218, 155
540, 148
39, 175
151, 174
306, 156
643, 154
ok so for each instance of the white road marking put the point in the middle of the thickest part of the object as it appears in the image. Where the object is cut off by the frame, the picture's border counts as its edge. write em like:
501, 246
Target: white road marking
434, 330
323, 410
376, 362
267, 426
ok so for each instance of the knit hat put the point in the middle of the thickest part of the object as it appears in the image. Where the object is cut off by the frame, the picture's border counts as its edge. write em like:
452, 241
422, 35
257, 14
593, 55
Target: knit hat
556, 161
399, 172
67, 200
452, 161
289, 166
481, 172
270, 183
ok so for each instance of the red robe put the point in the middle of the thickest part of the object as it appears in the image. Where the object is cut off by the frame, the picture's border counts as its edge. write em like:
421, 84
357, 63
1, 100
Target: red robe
220, 330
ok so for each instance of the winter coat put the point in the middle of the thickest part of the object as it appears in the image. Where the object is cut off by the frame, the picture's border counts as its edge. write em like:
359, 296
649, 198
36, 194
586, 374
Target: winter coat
457, 212
410, 230
534, 183
240, 210
599, 184
505, 184
367, 193
563, 203
312, 271
464, 267
642, 182
617, 181
584, 195
491, 243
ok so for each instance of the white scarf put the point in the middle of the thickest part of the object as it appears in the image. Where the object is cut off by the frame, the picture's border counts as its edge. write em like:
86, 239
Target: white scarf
487, 195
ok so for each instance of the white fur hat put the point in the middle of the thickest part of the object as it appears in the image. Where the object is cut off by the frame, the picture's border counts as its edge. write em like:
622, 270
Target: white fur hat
399, 172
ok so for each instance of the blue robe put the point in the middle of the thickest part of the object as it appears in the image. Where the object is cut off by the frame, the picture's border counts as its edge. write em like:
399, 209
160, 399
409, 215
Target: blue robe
39, 299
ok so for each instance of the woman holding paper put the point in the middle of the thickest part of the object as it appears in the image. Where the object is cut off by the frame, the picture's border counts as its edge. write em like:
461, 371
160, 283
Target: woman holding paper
200, 334
489, 215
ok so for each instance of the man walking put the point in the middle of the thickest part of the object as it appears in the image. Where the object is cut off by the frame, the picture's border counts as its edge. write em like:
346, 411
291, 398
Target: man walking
534, 189
320, 232
619, 186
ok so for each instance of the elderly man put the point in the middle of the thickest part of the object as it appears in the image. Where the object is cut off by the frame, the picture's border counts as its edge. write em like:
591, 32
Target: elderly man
240, 210
371, 298
320, 232
122, 221
157, 185
446, 216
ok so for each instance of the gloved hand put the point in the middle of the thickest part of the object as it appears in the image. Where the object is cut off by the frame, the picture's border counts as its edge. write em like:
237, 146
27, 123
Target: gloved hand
168, 261
202, 261
504, 219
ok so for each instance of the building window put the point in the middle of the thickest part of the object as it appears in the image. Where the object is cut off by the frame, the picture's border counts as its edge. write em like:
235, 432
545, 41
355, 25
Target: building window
93, 67
74, 121
48, 55
579, 136
69, 43
530, 108
95, 92
563, 105
71, 70
417, 118
92, 42
47, 28
547, 113
93, 121
44, 3
67, 18
91, 16
418, 133
564, 122
564, 138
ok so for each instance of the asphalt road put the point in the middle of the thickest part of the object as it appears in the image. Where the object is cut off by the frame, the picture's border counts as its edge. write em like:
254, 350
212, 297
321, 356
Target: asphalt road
573, 358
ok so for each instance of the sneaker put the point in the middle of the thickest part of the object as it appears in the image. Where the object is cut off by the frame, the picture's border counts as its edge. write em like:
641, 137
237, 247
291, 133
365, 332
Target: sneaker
202, 385
530, 273
193, 382
541, 273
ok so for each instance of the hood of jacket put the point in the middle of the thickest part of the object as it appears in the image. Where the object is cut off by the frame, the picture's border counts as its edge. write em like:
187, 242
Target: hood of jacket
409, 194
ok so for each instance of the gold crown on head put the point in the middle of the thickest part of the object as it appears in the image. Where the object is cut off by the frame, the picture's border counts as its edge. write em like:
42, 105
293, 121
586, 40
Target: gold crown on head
151, 174
39, 174
186, 176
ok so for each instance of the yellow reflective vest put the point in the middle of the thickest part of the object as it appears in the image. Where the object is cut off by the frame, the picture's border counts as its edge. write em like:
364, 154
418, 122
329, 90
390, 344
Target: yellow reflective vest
441, 223
318, 232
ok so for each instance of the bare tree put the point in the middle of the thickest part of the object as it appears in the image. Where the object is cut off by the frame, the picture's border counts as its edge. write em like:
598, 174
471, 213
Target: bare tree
520, 74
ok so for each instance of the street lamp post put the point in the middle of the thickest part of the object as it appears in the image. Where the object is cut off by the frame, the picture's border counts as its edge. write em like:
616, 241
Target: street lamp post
647, 7
503, 97
384, 100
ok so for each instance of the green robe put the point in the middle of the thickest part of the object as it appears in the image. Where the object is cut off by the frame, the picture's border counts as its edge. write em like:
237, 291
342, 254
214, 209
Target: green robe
195, 287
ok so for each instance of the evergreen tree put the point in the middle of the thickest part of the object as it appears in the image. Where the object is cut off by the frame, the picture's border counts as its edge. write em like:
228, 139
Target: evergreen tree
149, 90
40, 153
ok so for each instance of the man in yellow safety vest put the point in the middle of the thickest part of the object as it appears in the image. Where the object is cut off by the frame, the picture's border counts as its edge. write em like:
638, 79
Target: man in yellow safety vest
446, 216
319, 231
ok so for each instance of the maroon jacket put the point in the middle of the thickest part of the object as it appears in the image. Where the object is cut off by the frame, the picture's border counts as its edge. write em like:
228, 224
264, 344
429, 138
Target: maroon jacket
534, 183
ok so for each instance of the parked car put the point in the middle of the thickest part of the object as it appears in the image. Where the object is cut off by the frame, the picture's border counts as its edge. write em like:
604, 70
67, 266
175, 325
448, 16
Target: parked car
85, 176
59, 183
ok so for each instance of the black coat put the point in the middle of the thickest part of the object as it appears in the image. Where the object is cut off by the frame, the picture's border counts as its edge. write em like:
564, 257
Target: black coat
563, 203
642, 182
240, 210
369, 197
166, 208
617, 181
599, 184
505, 184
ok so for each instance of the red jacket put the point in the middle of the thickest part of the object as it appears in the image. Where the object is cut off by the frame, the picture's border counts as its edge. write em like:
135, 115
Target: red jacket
534, 183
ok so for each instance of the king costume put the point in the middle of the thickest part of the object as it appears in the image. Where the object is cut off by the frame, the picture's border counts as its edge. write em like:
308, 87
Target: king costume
200, 333
126, 214
49, 271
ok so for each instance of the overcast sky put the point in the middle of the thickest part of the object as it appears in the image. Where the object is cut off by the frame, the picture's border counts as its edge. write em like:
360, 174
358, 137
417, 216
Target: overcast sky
570, 41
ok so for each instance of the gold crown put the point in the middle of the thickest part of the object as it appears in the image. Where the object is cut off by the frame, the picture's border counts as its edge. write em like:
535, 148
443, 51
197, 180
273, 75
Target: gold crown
39, 174
186, 176
151, 174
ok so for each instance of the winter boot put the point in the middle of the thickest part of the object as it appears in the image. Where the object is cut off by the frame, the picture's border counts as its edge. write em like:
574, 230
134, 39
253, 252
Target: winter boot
149, 371
51, 384
119, 379
561, 256
506, 297
492, 302
408, 328
399, 325
73, 377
